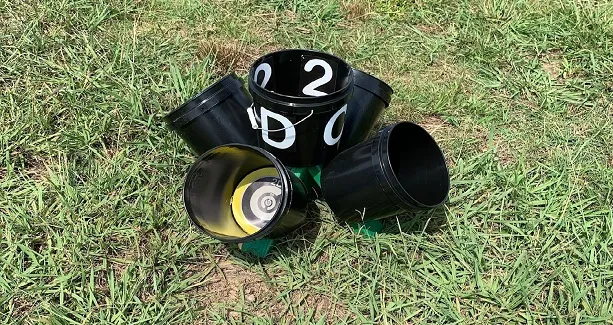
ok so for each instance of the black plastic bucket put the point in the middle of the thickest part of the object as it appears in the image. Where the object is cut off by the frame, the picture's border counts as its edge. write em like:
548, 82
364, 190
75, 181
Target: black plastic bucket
215, 117
300, 99
238, 193
400, 169
370, 97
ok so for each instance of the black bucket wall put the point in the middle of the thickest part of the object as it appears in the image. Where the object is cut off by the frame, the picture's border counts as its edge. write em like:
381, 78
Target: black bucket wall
370, 97
400, 169
300, 100
215, 117
239, 193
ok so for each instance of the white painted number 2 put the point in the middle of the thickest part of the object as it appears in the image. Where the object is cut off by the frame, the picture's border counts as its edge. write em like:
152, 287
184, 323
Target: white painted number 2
310, 88
267, 69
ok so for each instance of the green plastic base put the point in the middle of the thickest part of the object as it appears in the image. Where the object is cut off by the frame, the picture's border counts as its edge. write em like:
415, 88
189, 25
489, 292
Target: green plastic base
369, 228
303, 174
259, 248
316, 174
310, 176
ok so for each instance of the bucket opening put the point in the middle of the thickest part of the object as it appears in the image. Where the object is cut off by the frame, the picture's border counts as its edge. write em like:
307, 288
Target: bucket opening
418, 165
236, 194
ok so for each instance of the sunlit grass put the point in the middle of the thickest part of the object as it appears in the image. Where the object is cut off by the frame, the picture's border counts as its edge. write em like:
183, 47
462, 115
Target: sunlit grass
518, 94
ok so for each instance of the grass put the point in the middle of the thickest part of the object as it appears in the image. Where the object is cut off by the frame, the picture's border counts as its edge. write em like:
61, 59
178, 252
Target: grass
518, 93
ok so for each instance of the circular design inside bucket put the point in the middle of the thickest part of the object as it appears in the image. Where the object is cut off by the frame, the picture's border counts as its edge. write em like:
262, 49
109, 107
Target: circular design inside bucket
257, 199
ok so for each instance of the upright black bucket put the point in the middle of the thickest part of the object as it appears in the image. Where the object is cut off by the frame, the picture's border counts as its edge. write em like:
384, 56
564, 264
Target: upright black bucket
238, 193
215, 117
398, 170
300, 99
370, 97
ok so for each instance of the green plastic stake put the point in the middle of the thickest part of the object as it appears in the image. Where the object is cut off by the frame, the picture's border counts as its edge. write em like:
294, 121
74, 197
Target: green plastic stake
259, 248
369, 228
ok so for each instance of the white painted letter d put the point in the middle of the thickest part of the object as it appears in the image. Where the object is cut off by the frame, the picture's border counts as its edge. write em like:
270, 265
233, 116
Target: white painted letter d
290, 131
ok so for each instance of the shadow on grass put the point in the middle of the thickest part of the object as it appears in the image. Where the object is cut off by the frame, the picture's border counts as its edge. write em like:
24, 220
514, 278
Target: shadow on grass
294, 243
430, 222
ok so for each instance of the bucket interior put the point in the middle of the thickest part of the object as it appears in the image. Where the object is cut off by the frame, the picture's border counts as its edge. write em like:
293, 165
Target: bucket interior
418, 164
300, 73
234, 192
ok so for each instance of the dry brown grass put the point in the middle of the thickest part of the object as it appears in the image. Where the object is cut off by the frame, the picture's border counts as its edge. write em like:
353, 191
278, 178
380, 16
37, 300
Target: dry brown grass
440, 130
353, 9
429, 29
231, 55
435, 125
442, 71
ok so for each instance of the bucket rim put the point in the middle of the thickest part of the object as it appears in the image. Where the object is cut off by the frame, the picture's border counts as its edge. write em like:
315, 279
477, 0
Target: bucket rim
230, 82
394, 183
205, 107
287, 189
299, 101
373, 85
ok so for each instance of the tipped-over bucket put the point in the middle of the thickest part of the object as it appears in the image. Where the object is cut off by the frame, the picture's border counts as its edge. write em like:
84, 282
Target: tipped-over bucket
370, 97
300, 99
238, 193
215, 117
400, 169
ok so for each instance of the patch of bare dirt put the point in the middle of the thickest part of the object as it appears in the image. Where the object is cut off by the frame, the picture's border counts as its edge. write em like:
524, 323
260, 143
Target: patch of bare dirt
552, 64
434, 124
22, 307
323, 305
229, 284
241, 291
503, 151
30, 164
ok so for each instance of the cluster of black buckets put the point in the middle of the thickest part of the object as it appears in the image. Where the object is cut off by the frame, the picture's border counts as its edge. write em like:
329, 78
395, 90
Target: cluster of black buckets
301, 130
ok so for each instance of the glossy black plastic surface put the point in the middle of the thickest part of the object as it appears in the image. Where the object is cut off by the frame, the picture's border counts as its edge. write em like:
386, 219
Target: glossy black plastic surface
370, 97
313, 123
212, 180
215, 117
400, 169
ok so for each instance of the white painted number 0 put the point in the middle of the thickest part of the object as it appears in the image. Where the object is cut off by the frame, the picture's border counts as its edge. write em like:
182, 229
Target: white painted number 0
267, 73
328, 137
310, 88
